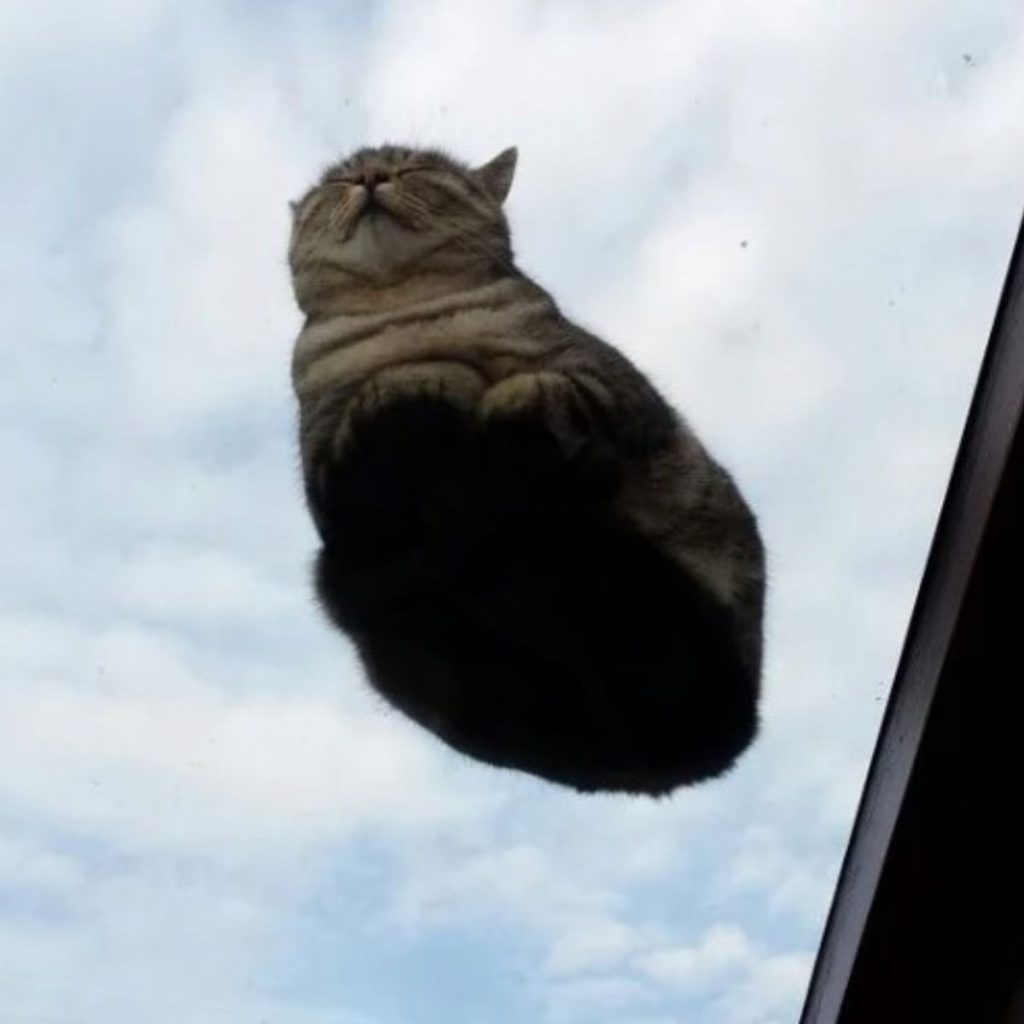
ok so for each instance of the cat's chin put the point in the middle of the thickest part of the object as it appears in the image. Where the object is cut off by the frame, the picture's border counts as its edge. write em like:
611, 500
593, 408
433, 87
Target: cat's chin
378, 245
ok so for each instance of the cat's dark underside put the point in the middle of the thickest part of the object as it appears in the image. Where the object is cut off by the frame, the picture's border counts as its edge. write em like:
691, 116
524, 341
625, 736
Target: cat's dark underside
493, 601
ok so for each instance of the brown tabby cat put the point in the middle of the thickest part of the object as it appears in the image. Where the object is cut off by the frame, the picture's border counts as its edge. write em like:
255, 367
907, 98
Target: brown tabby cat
535, 557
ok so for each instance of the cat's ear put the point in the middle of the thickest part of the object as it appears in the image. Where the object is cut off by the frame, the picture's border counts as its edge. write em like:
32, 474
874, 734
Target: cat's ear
496, 175
293, 205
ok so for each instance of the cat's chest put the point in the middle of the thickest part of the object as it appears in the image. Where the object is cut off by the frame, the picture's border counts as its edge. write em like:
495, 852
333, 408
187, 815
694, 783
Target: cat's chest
494, 340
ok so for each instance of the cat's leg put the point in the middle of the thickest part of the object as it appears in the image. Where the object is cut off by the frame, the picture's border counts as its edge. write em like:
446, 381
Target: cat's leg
399, 486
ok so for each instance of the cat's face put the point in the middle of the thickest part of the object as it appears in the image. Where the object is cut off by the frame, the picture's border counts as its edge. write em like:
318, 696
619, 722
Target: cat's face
381, 214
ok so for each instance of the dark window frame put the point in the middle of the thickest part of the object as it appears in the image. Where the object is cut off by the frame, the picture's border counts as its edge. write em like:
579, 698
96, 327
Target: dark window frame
927, 921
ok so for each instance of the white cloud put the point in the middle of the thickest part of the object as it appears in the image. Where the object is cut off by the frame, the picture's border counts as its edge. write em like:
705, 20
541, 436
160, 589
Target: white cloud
747, 985
188, 263
121, 737
585, 998
202, 584
773, 992
31, 867
794, 877
591, 945
721, 950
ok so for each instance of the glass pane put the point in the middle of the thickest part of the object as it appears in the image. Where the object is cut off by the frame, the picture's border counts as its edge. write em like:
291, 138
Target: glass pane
795, 219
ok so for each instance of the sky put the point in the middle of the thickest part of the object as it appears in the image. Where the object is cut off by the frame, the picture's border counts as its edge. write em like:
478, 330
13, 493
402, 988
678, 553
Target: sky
796, 217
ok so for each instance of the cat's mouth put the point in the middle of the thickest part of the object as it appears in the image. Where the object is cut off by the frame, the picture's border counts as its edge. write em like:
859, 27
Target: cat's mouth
381, 204
368, 214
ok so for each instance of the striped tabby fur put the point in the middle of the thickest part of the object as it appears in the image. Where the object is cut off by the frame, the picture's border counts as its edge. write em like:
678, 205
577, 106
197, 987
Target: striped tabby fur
534, 555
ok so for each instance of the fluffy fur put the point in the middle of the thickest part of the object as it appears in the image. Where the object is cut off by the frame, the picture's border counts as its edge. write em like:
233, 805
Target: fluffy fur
534, 555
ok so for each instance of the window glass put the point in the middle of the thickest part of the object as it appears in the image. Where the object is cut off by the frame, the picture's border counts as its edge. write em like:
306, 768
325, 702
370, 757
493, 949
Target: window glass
795, 218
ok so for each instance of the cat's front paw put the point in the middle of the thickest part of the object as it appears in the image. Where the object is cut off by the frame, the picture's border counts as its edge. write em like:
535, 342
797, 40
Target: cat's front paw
411, 402
545, 400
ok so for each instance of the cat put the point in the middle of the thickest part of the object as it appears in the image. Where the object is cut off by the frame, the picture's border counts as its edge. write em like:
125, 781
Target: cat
535, 557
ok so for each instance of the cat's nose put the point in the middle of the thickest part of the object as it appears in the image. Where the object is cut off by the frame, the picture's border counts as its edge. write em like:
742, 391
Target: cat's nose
372, 177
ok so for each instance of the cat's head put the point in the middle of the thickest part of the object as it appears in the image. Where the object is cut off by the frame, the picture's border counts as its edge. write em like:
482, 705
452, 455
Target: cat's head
383, 214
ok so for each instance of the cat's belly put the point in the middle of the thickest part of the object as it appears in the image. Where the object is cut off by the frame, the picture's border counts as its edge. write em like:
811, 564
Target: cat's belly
498, 597
565, 649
